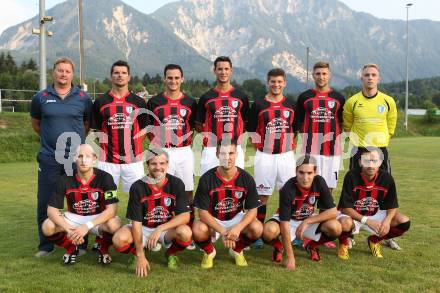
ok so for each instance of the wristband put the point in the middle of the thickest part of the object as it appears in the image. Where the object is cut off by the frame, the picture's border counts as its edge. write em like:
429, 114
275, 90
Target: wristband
364, 219
90, 225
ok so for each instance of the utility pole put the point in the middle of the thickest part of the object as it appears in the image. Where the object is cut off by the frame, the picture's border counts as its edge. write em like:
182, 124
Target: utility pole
41, 32
81, 47
407, 67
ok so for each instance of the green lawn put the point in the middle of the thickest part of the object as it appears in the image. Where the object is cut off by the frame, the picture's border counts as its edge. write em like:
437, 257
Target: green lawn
415, 164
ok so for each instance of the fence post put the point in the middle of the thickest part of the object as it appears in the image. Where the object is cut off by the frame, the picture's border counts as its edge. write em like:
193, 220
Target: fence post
0, 101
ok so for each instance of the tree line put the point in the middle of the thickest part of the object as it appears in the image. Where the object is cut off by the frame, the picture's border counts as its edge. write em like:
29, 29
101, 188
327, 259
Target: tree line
424, 93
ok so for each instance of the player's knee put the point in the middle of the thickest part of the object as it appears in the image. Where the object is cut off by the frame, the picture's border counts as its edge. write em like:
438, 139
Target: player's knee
114, 224
122, 237
183, 232
200, 230
346, 224
271, 231
255, 229
48, 227
264, 199
333, 228
404, 226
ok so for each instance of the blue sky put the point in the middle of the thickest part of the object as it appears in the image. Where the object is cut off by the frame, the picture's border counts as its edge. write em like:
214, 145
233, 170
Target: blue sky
16, 11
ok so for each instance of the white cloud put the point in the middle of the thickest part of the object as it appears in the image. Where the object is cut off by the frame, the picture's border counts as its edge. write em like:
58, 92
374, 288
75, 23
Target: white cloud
13, 12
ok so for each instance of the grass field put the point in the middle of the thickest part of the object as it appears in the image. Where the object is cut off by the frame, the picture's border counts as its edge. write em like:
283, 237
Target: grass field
415, 163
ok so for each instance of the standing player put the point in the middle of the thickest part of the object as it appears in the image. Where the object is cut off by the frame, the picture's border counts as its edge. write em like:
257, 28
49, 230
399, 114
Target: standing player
370, 117
61, 109
319, 120
121, 116
159, 211
295, 217
369, 201
173, 119
223, 193
272, 119
221, 114
91, 207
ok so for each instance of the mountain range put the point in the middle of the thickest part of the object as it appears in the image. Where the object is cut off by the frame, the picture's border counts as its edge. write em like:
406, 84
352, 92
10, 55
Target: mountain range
257, 34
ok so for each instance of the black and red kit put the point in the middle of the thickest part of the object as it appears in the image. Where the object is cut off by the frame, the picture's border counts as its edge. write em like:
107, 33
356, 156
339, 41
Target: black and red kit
225, 199
222, 113
319, 119
120, 120
173, 120
274, 124
153, 206
367, 197
298, 204
86, 199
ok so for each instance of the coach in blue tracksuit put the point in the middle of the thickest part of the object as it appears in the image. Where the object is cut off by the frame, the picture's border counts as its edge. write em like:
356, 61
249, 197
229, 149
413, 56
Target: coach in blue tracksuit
60, 115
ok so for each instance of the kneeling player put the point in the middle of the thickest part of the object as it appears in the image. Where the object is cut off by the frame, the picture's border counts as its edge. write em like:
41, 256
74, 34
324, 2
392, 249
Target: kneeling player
92, 207
159, 211
369, 202
222, 195
296, 219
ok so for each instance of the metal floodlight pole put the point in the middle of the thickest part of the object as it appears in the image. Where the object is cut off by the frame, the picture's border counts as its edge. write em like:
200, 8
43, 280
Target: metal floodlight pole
407, 66
81, 44
43, 80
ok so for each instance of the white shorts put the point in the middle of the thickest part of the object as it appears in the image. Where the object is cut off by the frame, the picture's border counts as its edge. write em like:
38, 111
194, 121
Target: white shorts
328, 167
129, 173
209, 159
75, 220
181, 165
227, 224
146, 232
379, 216
309, 233
273, 170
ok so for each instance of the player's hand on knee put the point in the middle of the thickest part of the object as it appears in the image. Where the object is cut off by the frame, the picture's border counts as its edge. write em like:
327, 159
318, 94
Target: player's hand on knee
374, 225
300, 230
152, 240
228, 243
289, 263
384, 228
142, 266
233, 233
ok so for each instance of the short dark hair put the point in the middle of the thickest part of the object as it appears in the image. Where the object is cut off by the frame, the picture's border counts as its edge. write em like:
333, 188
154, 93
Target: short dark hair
120, 63
306, 160
370, 149
276, 72
222, 59
226, 141
321, 64
172, 66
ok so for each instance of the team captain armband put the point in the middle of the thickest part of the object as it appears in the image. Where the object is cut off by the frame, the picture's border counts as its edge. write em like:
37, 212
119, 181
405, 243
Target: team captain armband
111, 194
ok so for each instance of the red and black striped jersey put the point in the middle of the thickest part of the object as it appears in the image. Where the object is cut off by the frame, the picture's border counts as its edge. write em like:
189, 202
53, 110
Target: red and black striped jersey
120, 120
222, 114
173, 120
319, 119
225, 199
298, 204
86, 199
153, 206
367, 197
274, 123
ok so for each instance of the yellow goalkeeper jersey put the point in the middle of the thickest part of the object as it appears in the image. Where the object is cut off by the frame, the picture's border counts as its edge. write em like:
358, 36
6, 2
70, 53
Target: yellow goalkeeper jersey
371, 121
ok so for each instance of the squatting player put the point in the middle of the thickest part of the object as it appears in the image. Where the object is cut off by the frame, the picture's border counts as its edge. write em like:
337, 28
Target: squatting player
318, 116
272, 119
295, 217
369, 201
221, 114
223, 193
121, 116
91, 207
173, 120
159, 211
